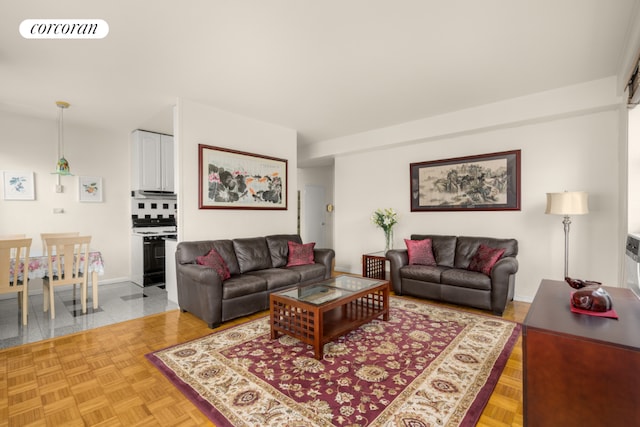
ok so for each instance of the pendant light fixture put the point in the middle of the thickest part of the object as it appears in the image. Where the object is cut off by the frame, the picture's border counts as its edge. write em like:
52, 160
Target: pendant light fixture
62, 167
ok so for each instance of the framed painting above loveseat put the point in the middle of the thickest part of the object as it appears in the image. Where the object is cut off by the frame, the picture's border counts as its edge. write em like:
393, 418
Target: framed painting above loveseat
488, 182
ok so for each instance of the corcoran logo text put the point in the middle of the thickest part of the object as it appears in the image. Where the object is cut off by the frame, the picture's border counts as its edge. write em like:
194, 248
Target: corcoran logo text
64, 28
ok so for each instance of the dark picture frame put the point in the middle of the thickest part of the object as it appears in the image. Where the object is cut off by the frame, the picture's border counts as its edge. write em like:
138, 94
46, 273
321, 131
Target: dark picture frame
232, 179
486, 182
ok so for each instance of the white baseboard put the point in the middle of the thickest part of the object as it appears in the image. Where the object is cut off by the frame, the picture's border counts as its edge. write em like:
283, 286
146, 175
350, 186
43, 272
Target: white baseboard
521, 298
35, 286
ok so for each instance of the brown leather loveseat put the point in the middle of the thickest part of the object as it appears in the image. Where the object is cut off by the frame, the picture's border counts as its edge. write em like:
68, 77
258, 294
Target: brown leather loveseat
450, 278
257, 266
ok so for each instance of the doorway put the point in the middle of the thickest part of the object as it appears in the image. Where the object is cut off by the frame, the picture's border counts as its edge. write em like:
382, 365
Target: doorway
315, 221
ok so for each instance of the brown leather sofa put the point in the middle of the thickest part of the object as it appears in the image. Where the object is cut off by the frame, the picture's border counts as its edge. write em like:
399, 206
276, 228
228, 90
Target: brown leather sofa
450, 280
258, 266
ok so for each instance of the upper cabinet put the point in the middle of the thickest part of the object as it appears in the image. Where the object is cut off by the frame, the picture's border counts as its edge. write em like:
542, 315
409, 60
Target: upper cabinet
152, 161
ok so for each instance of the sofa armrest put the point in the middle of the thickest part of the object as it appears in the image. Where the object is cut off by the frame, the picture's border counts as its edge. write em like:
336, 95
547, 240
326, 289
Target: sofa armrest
398, 258
324, 257
200, 292
502, 283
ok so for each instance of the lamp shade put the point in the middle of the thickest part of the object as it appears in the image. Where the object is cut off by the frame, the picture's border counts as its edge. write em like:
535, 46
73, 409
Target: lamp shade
567, 203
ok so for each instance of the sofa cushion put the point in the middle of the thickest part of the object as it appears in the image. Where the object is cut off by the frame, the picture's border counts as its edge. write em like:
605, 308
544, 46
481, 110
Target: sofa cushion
188, 252
279, 248
466, 279
252, 254
238, 286
277, 277
228, 254
300, 254
215, 261
485, 258
467, 247
425, 273
420, 252
309, 272
444, 247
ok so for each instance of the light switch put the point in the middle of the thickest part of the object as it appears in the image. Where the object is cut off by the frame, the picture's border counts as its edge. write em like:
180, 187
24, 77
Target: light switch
58, 210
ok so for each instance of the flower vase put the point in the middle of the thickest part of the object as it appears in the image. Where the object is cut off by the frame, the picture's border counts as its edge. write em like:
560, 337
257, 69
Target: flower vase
388, 240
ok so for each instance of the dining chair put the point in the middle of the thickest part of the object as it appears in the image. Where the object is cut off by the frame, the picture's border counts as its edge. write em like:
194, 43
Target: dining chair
68, 259
14, 258
10, 237
45, 236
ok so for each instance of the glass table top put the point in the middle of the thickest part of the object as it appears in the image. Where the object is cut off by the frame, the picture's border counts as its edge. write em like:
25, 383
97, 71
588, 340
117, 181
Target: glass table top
330, 289
381, 254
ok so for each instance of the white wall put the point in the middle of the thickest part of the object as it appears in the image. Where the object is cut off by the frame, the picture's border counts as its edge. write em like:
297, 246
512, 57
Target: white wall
565, 146
596, 95
30, 144
201, 124
567, 154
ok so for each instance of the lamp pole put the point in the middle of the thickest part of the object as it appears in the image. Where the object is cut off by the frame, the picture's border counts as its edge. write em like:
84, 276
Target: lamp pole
567, 223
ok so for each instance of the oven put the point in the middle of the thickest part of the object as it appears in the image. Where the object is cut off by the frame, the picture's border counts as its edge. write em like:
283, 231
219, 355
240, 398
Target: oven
153, 256
148, 249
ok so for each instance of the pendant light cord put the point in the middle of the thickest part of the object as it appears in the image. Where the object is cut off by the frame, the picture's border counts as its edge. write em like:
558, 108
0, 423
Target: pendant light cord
62, 105
60, 132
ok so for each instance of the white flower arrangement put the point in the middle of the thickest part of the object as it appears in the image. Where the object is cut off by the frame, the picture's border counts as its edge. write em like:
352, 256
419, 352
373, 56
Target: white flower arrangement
385, 219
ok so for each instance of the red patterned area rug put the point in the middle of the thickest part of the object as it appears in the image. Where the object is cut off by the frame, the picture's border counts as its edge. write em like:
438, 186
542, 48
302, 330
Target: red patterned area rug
426, 366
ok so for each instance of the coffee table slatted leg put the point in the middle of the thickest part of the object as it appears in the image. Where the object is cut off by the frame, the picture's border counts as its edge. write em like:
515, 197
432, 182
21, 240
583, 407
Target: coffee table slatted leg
317, 334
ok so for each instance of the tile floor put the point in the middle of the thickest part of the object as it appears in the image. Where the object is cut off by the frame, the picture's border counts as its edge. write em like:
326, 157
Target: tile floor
118, 302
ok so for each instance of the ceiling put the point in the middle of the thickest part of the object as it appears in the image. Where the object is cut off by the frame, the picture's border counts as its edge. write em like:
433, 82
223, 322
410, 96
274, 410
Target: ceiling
325, 68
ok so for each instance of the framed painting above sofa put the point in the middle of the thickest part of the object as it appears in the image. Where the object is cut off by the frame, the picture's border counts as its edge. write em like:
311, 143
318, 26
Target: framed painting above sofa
487, 182
231, 179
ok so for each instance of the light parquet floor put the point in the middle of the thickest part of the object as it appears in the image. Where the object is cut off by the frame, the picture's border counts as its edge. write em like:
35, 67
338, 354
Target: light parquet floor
100, 377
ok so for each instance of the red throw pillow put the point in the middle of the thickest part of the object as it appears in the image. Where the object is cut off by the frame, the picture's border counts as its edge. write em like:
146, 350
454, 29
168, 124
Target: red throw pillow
420, 252
485, 258
300, 254
215, 261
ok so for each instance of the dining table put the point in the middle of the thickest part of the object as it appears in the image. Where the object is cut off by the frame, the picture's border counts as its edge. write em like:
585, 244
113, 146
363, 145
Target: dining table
39, 267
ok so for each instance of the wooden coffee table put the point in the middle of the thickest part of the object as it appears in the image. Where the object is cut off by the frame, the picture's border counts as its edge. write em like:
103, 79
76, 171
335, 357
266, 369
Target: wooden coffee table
317, 314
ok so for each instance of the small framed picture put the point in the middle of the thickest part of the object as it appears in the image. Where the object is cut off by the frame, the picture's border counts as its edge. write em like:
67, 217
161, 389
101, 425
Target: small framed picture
90, 188
19, 185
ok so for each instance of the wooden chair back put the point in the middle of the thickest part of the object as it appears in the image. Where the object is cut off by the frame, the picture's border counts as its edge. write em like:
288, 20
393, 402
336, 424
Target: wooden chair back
12, 237
68, 264
14, 270
66, 256
45, 236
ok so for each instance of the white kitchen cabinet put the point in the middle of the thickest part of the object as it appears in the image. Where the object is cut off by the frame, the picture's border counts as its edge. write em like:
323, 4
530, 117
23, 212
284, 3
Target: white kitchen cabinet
152, 161
168, 182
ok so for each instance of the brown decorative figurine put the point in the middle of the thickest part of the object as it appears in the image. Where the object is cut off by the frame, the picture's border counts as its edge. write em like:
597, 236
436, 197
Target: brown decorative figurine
589, 296
579, 284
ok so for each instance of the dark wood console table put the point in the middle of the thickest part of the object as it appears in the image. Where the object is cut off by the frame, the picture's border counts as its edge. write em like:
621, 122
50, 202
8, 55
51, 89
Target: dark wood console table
581, 370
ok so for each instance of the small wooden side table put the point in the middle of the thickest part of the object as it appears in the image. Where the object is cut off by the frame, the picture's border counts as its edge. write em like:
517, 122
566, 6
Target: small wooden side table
374, 265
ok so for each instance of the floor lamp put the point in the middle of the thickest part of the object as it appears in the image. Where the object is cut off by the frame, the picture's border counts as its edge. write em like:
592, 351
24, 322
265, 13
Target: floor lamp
567, 203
